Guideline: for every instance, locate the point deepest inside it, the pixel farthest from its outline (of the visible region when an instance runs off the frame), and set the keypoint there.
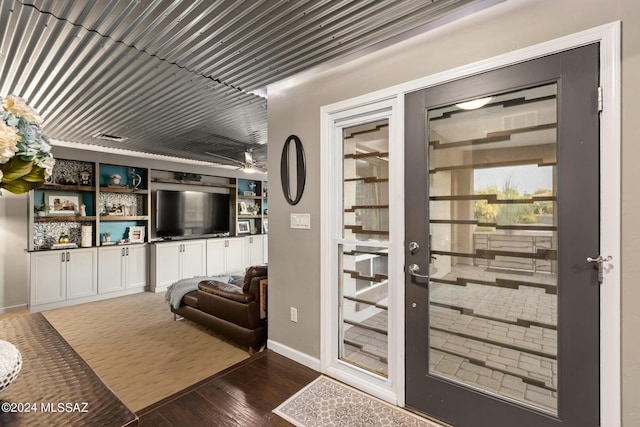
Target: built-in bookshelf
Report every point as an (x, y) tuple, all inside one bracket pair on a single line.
[(88, 204)]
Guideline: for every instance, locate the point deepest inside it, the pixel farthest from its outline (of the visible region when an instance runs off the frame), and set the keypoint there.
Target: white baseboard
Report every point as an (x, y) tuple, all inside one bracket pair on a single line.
[(13, 308), (295, 355)]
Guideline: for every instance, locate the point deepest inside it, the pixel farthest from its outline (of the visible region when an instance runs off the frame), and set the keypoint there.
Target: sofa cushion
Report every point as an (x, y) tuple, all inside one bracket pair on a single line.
[(255, 271), (191, 299), (225, 290)]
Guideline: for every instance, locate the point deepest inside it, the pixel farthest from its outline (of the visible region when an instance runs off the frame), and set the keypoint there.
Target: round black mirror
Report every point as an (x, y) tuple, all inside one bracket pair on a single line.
[(285, 170)]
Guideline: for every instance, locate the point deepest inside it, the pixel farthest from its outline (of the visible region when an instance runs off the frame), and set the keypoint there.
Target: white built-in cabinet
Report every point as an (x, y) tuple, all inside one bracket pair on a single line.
[(122, 267), (59, 276), (265, 248), (254, 249), (175, 260), (225, 256), (172, 261)]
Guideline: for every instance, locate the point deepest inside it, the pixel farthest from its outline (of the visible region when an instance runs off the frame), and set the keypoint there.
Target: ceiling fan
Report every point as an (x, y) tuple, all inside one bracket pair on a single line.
[(249, 165)]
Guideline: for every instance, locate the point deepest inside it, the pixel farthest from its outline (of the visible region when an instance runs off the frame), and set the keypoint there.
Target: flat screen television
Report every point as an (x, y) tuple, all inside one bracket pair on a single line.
[(191, 213)]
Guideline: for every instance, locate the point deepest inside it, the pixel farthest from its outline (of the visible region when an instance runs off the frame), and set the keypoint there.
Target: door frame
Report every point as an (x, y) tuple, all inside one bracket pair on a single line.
[(609, 37)]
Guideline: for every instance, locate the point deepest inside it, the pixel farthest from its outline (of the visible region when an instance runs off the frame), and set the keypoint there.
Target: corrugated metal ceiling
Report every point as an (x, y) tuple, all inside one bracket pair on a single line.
[(175, 77)]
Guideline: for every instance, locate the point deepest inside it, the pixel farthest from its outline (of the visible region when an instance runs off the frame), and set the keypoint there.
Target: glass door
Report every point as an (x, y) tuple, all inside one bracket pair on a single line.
[(363, 251), (502, 217)]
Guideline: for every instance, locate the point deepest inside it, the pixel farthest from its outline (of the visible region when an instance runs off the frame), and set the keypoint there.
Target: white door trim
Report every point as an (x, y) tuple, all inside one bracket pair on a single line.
[(610, 183)]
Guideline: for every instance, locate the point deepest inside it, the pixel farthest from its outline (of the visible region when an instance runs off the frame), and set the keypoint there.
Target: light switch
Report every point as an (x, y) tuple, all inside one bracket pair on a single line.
[(301, 221)]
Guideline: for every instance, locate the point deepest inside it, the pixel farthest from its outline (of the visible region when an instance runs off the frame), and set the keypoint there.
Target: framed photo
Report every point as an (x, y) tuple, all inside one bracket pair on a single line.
[(244, 227), (63, 204), (136, 234), (265, 226)]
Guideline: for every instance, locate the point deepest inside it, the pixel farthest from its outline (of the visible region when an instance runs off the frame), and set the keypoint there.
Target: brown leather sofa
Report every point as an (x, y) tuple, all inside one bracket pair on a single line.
[(237, 311)]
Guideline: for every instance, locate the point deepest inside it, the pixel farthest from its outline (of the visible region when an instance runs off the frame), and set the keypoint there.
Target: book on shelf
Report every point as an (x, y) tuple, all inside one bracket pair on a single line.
[(64, 246)]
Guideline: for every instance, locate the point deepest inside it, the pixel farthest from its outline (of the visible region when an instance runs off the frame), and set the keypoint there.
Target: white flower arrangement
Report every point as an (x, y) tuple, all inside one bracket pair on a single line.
[(25, 152)]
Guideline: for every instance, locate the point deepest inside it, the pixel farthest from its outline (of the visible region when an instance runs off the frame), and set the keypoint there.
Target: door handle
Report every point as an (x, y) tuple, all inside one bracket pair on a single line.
[(414, 270), (599, 260)]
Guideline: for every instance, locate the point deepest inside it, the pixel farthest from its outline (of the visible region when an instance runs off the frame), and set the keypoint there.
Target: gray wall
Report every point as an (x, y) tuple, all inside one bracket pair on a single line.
[(294, 108), (14, 270)]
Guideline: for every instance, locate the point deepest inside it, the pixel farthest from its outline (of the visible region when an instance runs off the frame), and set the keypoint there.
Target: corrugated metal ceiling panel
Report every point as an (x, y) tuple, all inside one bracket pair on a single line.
[(172, 76)]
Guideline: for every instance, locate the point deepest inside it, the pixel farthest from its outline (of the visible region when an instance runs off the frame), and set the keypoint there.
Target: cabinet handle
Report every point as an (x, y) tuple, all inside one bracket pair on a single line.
[(63, 255), (122, 251), (127, 251), (68, 256)]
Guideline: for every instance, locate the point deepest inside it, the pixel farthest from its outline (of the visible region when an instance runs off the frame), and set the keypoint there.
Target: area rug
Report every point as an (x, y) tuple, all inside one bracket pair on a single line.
[(55, 387), (139, 351), (326, 402)]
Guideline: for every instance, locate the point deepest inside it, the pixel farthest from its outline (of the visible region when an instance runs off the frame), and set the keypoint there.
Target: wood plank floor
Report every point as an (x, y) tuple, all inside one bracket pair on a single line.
[(243, 395)]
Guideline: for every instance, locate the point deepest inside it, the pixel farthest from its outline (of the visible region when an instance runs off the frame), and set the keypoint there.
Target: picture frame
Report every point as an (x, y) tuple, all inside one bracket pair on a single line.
[(63, 204), (136, 234), (244, 227), (265, 226)]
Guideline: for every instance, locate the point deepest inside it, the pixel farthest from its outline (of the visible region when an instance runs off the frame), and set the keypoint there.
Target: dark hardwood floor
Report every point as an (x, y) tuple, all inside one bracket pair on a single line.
[(243, 395)]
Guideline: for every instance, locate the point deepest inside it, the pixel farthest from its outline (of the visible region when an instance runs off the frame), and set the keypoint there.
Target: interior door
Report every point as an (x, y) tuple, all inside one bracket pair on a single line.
[(502, 212)]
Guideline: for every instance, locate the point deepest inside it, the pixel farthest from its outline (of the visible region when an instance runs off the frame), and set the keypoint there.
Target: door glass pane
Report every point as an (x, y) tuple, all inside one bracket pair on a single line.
[(363, 280), (366, 182), (364, 307), (493, 233)]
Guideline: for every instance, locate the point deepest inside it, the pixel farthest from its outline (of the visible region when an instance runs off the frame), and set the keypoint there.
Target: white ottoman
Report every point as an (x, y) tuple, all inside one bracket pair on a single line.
[(10, 364)]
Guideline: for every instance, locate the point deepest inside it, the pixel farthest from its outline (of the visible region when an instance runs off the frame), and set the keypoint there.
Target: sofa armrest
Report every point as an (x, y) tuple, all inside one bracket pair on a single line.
[(225, 290)]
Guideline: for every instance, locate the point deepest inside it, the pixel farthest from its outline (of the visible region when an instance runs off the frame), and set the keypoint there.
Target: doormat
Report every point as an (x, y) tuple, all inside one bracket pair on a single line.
[(326, 402)]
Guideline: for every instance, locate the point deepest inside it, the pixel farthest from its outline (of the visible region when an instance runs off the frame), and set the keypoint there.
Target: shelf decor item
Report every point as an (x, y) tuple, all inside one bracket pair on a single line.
[(115, 179), (86, 236), (136, 179), (136, 234), (25, 153), (63, 204), (244, 227)]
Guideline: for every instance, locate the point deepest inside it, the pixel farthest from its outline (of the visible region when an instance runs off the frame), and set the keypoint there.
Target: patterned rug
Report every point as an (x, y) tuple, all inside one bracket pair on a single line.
[(326, 402)]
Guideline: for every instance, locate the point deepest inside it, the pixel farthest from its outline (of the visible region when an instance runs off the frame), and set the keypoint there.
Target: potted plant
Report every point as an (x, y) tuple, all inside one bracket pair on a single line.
[(41, 209)]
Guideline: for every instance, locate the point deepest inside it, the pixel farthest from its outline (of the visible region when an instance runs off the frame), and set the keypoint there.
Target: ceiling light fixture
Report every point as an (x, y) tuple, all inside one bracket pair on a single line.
[(474, 104), (108, 137)]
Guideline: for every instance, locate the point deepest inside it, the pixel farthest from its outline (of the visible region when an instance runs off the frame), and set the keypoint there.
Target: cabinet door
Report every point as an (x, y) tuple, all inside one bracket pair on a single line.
[(255, 251), (194, 261), (168, 260), (82, 276), (265, 248), (215, 257), (136, 266), (48, 277), (234, 256), (111, 269)]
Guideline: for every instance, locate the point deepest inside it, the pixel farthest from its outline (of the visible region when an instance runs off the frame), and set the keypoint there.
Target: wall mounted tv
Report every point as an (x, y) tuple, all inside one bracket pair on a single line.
[(191, 213)]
